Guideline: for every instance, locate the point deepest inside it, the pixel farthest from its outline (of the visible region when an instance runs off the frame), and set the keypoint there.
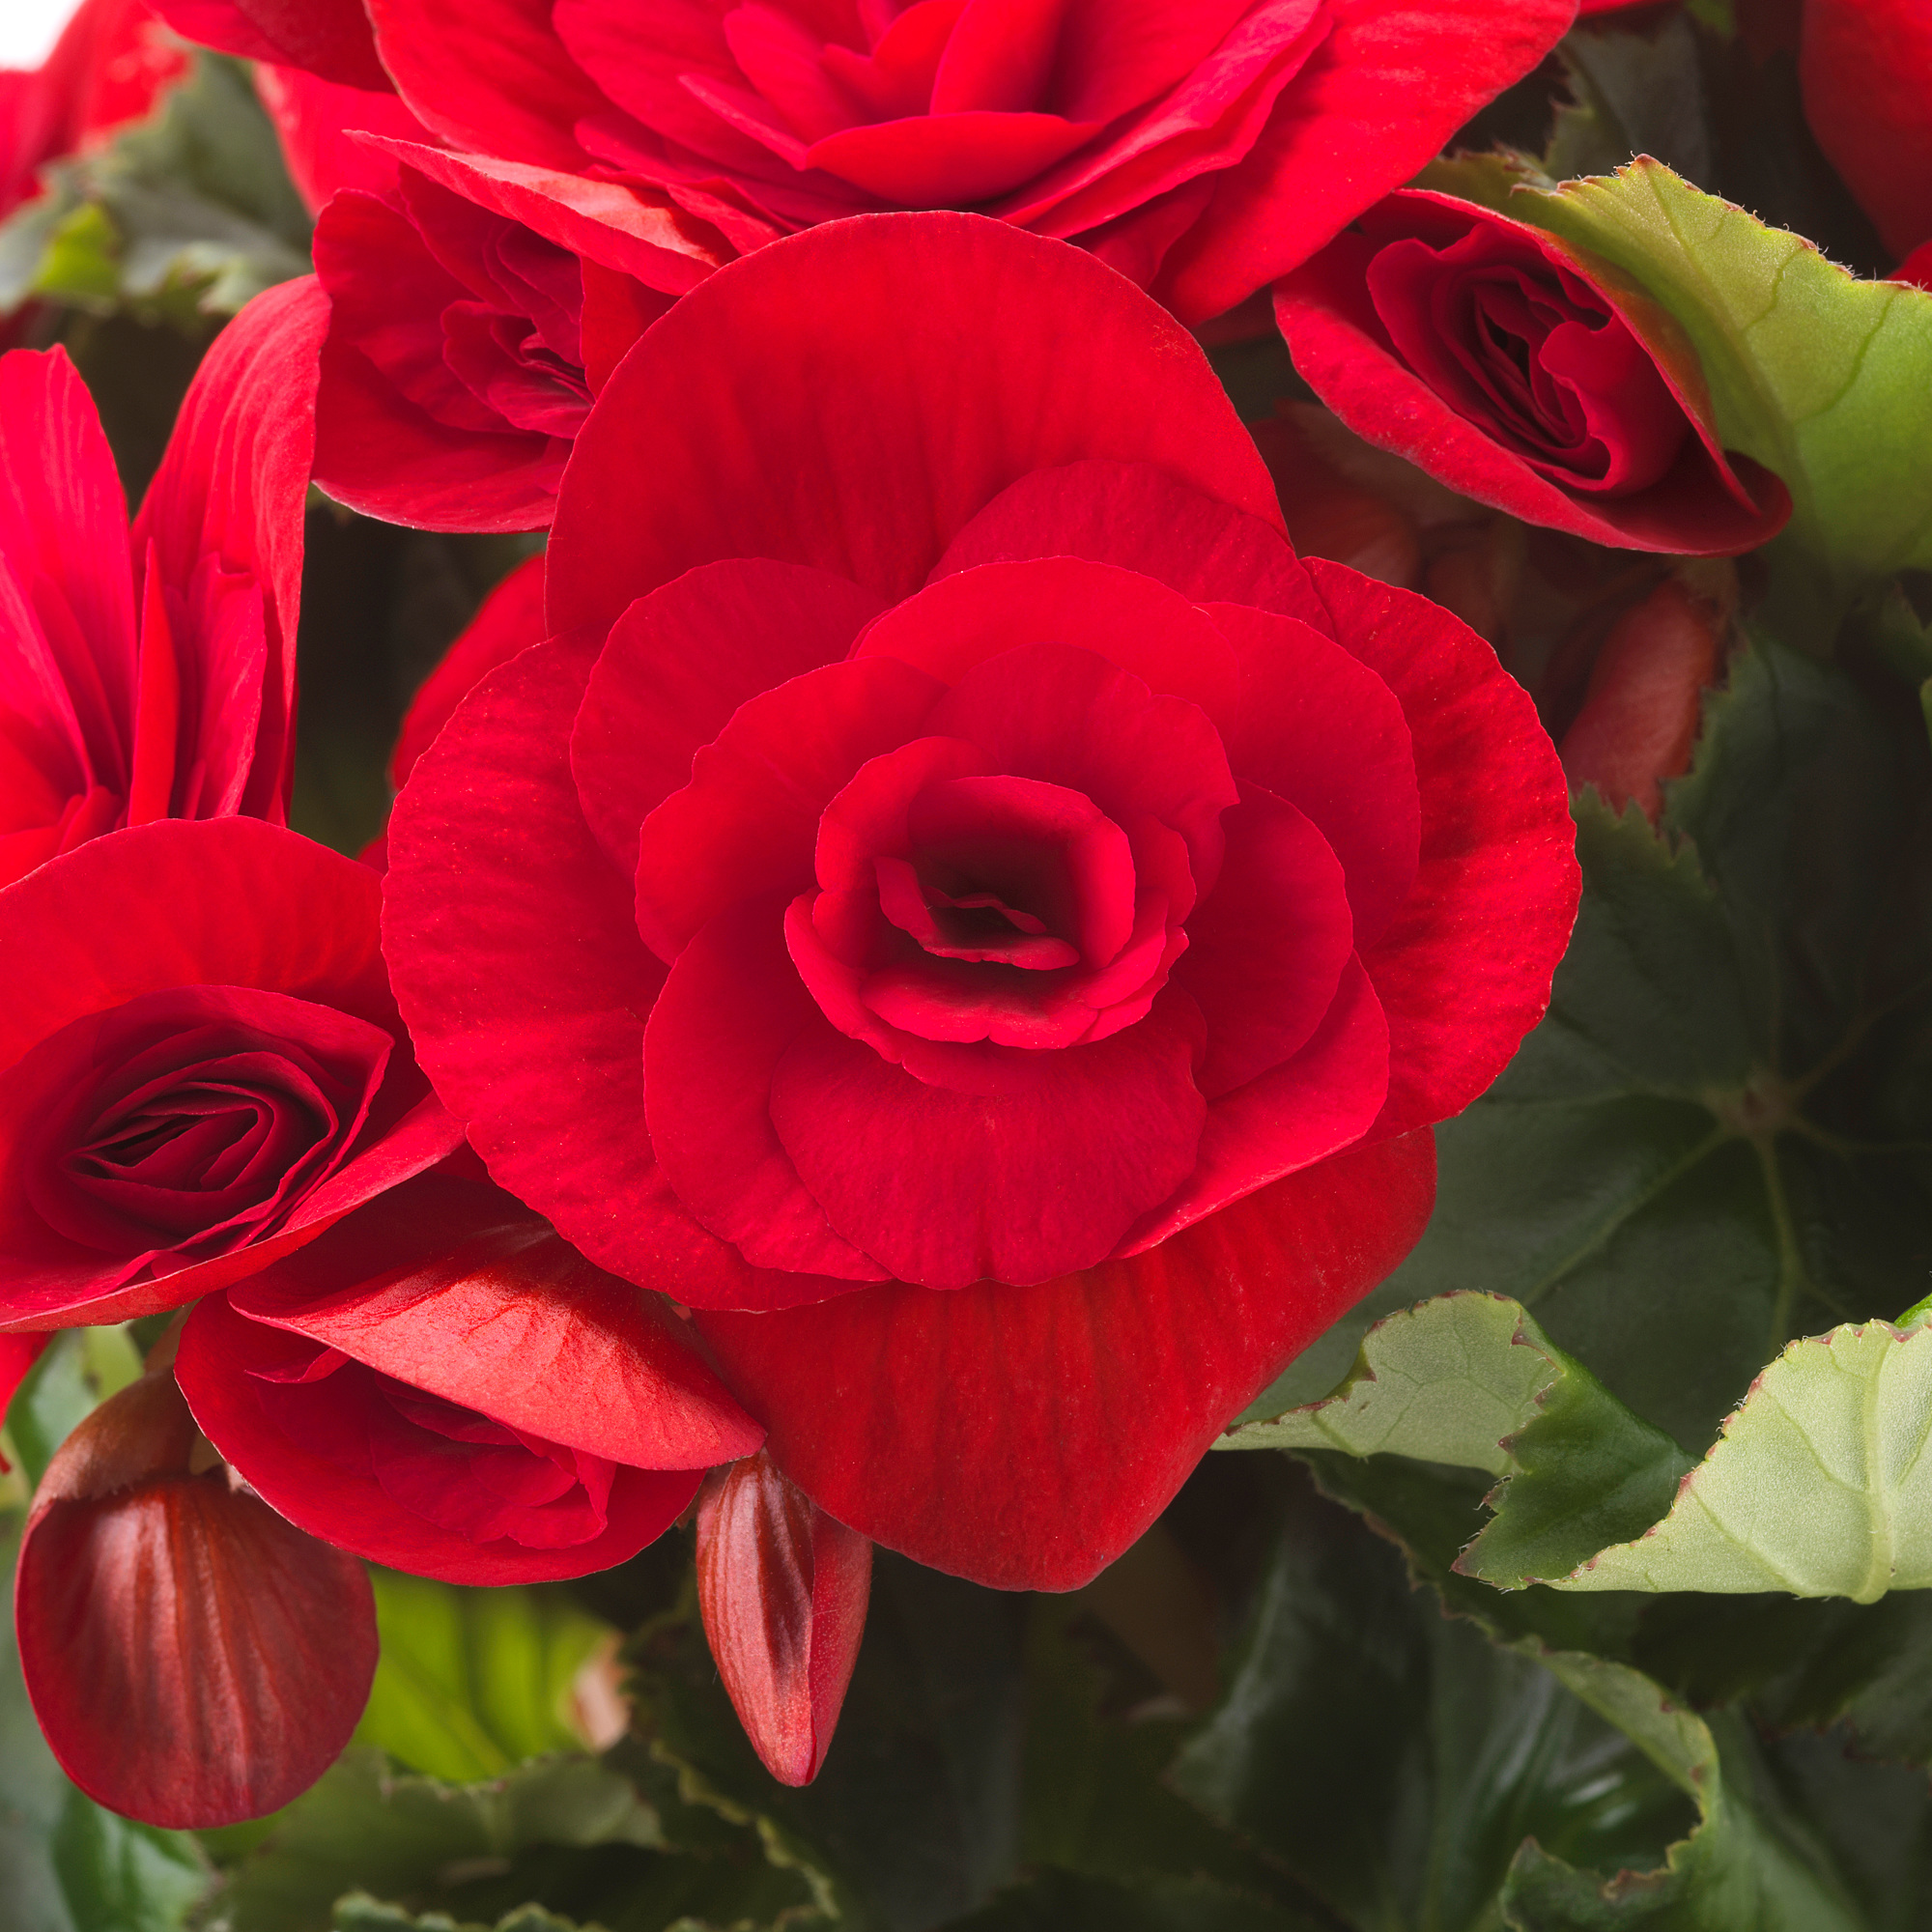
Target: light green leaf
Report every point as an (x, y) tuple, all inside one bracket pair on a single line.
[(1822, 378), (359, 1912), (472, 1681), (1820, 1485)]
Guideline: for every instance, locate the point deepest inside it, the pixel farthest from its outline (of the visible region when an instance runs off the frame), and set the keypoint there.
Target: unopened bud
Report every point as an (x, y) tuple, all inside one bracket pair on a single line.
[(782, 1588), (193, 1659), (1638, 722)]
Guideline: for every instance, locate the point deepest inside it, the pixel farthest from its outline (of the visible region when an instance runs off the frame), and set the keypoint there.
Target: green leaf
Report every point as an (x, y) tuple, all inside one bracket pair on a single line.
[(1631, 94), (359, 1912), (1822, 378), (1820, 1485), (187, 214), (1715, 1139), (1059, 1901), (1471, 1380), (915, 1818), (472, 1680), (413, 1838)]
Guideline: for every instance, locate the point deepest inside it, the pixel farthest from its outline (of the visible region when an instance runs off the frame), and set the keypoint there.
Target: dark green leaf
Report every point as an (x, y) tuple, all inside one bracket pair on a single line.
[(1714, 1142), (359, 1912), (1633, 94), (1059, 1901)]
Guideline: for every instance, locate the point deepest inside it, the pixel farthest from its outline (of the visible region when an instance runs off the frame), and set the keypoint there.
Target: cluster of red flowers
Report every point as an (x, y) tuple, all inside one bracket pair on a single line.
[(921, 944)]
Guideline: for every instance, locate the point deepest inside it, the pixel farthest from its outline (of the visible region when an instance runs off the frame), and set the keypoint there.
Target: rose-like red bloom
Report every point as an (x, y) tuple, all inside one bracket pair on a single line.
[(1517, 371), (192, 1657), (1202, 147), (110, 63), (154, 676), (1865, 67), (782, 1590), (330, 37), (319, 122), (201, 1066), (950, 836), (475, 309), (440, 1384)]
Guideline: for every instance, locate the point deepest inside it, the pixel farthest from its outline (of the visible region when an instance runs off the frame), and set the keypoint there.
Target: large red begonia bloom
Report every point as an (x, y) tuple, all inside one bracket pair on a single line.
[(1200, 147), (112, 61), (320, 123), (477, 307), (955, 877), (1523, 373), (192, 1657), (152, 676), (440, 1384), (1866, 68), (201, 1066)]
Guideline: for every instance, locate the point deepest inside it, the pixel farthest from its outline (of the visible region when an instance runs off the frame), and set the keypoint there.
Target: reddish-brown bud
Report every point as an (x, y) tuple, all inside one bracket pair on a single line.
[(192, 1657), (783, 1590), (1639, 717)]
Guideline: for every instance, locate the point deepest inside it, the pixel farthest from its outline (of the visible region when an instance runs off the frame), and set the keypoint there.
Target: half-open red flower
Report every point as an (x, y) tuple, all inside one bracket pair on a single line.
[(152, 675), (955, 876), (1523, 373), (440, 1384), (1200, 147), (201, 1066), (475, 307), (193, 1659)]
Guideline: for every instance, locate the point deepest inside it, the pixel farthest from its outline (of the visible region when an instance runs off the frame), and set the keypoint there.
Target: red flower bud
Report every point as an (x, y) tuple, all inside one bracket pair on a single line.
[(192, 1657), (1639, 716), (783, 1589)]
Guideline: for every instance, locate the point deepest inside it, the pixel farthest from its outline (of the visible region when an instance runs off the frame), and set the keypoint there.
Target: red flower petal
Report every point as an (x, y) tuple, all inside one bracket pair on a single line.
[(676, 666), (782, 1589), (1864, 65), (330, 38), (731, 1006), (1266, 948), (193, 1659), (1359, 784), (1025, 1436), (459, 1290), (941, 1190), (1464, 970), (316, 1464), (1138, 516), (786, 467), (748, 821), (539, 1048), (965, 616), (1378, 99)]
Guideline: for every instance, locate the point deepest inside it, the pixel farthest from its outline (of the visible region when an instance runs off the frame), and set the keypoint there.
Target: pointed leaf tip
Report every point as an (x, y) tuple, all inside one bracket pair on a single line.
[(783, 1590), (193, 1659)]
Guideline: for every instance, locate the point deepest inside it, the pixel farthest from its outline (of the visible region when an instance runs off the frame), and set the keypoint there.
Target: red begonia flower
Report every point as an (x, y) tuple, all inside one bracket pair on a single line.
[(201, 1066), (319, 122), (330, 37), (111, 61), (782, 1591), (193, 1659), (475, 309), (954, 844), (153, 676), (1200, 147), (1520, 373), (440, 1384), (1865, 67)]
